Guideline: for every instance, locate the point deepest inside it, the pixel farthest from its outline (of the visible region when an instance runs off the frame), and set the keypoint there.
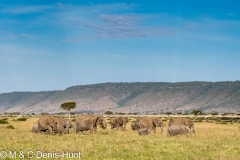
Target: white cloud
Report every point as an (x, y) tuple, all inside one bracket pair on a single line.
[(25, 9), (28, 36), (83, 23)]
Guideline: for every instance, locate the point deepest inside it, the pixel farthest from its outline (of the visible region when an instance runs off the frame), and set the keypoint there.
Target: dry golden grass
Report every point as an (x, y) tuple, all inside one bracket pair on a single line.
[(212, 141)]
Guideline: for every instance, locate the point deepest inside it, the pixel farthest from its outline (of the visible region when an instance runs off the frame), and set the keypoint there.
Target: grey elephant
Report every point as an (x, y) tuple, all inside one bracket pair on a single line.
[(90, 122), (72, 125), (50, 123), (134, 125), (183, 121), (66, 124), (151, 123), (117, 122), (178, 129), (144, 131)]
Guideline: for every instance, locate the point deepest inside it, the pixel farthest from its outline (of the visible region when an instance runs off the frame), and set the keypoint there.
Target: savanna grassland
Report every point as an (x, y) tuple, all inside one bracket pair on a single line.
[(211, 141)]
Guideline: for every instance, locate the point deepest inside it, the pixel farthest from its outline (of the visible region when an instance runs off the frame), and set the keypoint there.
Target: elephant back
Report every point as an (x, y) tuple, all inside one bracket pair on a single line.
[(175, 121)]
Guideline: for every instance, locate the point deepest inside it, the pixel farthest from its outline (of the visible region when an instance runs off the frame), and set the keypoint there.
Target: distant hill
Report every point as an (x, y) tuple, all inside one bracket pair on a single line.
[(151, 97)]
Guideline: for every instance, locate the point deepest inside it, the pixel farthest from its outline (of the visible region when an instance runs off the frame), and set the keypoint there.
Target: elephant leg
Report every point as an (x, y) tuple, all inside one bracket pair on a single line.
[(95, 129), (61, 130), (121, 127), (50, 130), (124, 127), (168, 135), (162, 130), (117, 126), (92, 129), (154, 130), (77, 130), (59, 133), (67, 130)]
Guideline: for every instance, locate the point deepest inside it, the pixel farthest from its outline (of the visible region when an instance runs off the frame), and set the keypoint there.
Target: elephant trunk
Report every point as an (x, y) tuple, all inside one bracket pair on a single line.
[(194, 129), (104, 124), (124, 126), (162, 128), (67, 129)]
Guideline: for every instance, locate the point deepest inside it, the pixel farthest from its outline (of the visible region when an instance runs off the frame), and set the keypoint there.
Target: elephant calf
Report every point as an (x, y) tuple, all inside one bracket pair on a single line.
[(144, 131), (90, 122), (119, 122), (35, 129), (134, 125), (183, 121), (178, 129)]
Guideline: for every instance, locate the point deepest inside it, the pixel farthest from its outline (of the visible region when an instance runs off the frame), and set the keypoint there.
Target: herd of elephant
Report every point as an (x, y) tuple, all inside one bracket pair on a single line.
[(144, 125)]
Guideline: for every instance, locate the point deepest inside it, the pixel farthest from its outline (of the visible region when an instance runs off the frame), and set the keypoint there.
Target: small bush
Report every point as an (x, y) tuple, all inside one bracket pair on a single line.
[(221, 123), (209, 121), (21, 119), (164, 120), (3, 121), (74, 120), (10, 127)]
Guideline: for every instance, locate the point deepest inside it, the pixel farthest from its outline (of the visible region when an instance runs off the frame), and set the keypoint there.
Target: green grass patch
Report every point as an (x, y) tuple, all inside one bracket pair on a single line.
[(21, 119), (211, 141), (3, 121), (10, 127)]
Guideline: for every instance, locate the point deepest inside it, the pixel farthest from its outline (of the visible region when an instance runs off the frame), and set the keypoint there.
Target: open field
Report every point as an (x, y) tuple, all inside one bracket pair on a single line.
[(212, 141)]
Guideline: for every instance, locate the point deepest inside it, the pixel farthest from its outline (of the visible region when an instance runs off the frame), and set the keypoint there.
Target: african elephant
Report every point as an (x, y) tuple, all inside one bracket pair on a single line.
[(117, 122), (35, 128), (90, 122), (47, 123), (144, 131), (66, 124), (151, 123), (177, 129), (50, 123), (72, 125), (134, 125), (183, 121)]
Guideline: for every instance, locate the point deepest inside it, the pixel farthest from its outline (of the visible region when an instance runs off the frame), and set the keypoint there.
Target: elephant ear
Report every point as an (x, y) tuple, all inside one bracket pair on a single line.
[(66, 121), (119, 120), (155, 121), (51, 121), (186, 123), (96, 121), (191, 125)]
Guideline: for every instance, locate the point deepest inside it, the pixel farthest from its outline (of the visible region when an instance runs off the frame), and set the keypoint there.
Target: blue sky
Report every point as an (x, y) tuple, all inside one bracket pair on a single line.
[(52, 45)]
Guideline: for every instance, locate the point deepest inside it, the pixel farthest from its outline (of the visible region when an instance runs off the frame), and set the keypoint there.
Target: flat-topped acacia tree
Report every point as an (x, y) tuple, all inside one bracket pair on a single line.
[(68, 106)]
